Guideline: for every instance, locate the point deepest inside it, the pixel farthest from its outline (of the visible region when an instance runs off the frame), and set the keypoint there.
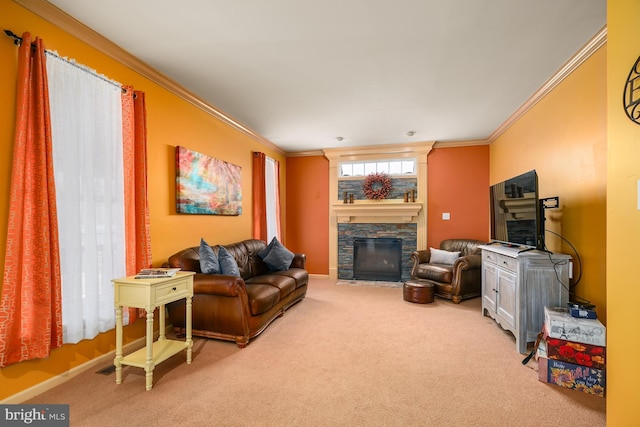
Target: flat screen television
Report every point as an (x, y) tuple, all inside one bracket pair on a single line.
[(516, 218)]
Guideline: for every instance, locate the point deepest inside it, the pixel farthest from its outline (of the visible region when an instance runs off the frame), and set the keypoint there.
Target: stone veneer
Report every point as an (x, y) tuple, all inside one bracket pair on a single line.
[(398, 187), (347, 232)]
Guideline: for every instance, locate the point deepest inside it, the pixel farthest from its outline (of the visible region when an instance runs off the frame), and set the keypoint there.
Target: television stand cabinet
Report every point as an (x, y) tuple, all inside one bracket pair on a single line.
[(517, 285)]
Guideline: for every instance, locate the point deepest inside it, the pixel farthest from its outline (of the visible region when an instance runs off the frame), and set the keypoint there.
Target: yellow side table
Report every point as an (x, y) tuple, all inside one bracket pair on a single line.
[(149, 294)]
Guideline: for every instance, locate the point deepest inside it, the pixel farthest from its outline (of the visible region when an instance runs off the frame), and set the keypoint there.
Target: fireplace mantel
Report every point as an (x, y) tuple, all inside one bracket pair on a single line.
[(382, 211)]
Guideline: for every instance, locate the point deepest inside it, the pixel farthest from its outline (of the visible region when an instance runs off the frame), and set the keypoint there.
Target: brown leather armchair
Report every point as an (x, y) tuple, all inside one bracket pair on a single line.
[(456, 281)]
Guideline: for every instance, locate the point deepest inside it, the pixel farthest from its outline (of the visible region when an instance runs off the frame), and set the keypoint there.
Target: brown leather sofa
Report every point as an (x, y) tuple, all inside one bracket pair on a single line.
[(238, 308), (457, 281)]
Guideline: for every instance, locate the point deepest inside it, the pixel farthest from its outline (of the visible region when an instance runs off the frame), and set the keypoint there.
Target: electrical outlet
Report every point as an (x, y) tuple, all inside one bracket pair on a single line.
[(446, 216)]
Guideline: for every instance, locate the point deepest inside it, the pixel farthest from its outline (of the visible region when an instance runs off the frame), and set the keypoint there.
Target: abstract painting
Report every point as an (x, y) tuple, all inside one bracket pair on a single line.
[(205, 185)]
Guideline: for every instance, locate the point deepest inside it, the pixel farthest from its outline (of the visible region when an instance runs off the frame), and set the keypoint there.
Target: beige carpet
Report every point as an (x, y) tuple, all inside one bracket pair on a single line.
[(344, 356)]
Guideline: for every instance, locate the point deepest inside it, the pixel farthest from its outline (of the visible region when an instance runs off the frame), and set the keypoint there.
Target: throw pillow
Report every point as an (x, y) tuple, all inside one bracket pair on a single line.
[(438, 256), (278, 257), (263, 253), (209, 263), (228, 264)]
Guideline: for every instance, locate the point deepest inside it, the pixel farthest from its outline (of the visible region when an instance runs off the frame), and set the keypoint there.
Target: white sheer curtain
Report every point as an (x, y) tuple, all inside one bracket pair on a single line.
[(86, 122), (270, 181)]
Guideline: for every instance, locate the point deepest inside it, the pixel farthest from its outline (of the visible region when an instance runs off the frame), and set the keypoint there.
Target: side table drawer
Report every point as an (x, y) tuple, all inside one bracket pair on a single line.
[(172, 291)]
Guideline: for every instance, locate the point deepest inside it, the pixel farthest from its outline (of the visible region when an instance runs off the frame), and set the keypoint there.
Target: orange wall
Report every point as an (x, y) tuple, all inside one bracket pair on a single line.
[(563, 137), (623, 219), (458, 183), (308, 210), (171, 121)]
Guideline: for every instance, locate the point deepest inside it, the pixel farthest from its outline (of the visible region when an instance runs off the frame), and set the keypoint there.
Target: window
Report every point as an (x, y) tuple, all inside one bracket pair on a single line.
[(390, 167)]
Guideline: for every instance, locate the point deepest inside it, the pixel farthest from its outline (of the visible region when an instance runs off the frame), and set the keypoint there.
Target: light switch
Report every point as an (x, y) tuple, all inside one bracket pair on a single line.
[(446, 216)]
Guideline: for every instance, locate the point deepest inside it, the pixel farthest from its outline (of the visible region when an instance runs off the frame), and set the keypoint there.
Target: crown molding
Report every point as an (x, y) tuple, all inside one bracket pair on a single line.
[(376, 150), (66, 22), (309, 153), (569, 67), (467, 143)]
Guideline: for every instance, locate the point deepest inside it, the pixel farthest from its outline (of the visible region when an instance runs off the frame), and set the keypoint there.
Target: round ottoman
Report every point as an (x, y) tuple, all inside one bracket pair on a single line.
[(420, 292)]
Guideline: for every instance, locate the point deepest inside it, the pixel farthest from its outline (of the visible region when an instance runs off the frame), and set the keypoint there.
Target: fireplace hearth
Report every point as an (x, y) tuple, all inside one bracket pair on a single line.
[(377, 259)]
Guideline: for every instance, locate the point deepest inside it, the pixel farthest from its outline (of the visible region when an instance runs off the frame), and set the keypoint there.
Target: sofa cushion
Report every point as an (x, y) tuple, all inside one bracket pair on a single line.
[(228, 264), (439, 256), (285, 284), (300, 275), (277, 256), (261, 297), (209, 263), (436, 272)]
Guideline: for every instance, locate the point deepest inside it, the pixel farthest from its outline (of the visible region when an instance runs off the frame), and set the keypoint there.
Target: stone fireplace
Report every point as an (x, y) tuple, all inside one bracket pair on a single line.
[(376, 219), (350, 235)]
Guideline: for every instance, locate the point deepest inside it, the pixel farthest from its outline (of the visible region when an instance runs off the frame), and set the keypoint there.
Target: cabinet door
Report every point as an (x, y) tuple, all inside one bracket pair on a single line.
[(506, 298), (489, 287)]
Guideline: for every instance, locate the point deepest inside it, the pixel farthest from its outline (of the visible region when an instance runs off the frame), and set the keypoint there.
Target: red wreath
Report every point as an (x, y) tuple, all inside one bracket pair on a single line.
[(377, 186)]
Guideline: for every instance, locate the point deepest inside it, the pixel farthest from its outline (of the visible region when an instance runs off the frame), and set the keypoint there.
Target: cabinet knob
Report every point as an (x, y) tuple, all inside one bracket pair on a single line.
[(174, 288)]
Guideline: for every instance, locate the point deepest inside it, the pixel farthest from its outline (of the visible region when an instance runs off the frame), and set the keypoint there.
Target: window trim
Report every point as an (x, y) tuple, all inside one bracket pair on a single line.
[(381, 160)]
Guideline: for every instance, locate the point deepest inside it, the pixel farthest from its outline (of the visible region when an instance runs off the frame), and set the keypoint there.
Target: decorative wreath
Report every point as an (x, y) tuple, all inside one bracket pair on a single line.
[(377, 186)]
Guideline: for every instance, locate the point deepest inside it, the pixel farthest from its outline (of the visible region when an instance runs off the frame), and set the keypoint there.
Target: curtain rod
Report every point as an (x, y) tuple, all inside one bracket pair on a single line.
[(18, 41)]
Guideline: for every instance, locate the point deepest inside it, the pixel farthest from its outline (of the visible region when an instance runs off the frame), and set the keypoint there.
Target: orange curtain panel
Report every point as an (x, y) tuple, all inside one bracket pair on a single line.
[(137, 224), (143, 223), (134, 137), (31, 304)]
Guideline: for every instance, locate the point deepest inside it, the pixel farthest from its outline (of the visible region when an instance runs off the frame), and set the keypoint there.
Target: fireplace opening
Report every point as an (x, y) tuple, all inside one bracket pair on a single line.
[(377, 259)]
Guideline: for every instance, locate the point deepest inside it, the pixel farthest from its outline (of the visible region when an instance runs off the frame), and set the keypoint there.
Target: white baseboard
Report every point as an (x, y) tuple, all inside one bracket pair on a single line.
[(37, 389)]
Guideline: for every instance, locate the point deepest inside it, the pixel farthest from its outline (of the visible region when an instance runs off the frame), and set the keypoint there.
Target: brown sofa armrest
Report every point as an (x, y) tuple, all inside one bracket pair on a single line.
[(421, 257), (466, 276), (218, 284), (468, 262), (299, 261)]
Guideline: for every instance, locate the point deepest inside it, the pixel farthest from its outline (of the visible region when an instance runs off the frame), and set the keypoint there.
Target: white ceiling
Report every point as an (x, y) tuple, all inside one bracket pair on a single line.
[(301, 73)]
